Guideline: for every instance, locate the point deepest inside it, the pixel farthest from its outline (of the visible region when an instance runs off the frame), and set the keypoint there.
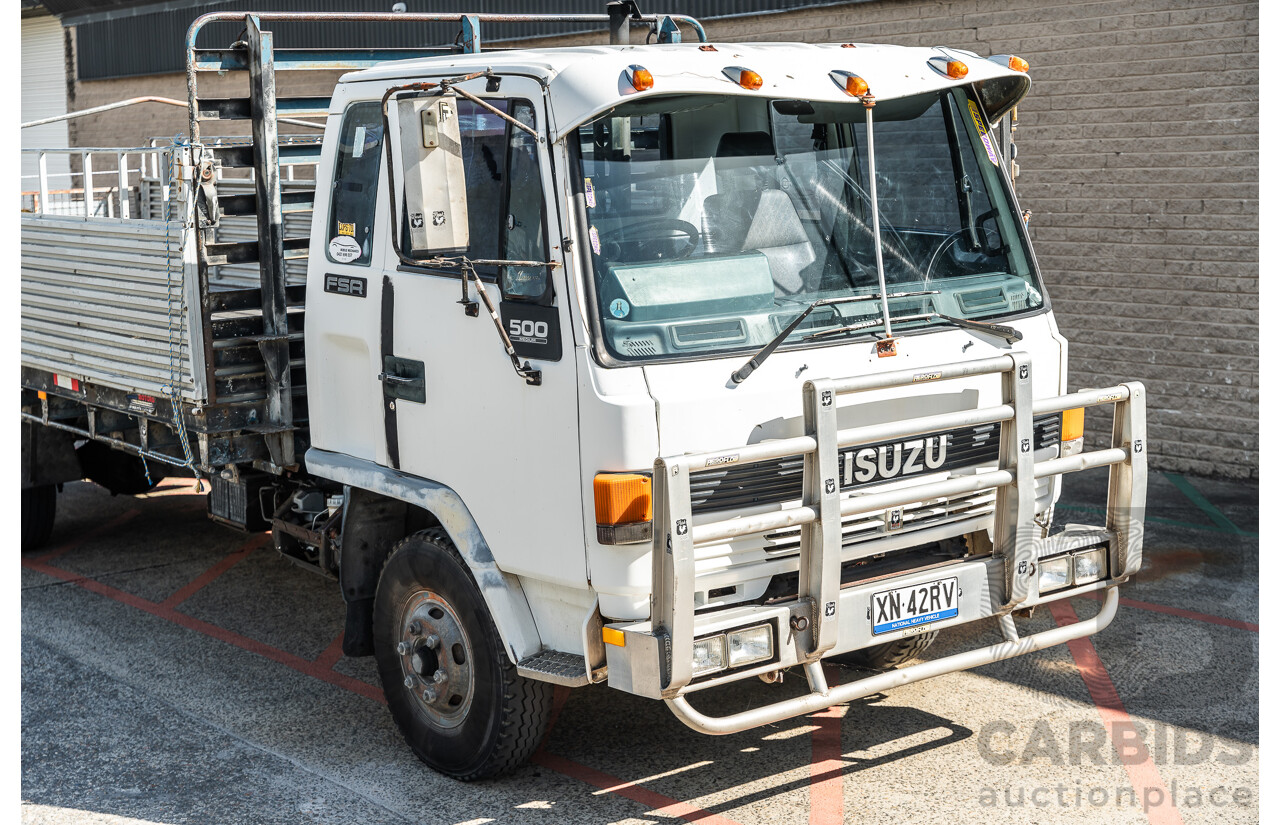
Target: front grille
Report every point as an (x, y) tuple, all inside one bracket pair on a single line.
[(773, 482), (915, 516)]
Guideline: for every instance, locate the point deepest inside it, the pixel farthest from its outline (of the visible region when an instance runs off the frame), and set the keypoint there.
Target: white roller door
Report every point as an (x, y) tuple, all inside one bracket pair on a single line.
[(44, 94)]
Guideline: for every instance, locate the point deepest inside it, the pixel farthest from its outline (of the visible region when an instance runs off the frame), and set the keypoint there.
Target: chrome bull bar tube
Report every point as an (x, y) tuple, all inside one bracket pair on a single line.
[(822, 697), (819, 514)]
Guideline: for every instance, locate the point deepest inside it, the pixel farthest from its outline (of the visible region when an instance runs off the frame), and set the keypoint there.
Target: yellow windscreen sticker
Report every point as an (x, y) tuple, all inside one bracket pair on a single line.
[(982, 133), (347, 229)]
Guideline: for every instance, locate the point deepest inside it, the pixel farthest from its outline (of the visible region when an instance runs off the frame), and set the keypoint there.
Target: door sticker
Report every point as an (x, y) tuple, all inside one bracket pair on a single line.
[(344, 249)]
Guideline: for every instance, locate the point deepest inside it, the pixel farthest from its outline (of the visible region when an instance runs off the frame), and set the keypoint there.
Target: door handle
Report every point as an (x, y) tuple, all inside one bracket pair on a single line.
[(404, 378)]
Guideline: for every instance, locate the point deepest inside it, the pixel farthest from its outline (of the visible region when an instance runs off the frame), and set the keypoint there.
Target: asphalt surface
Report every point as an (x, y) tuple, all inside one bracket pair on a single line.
[(175, 671)]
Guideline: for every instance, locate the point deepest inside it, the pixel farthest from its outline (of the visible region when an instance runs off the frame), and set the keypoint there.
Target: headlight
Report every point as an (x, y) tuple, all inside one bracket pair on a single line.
[(708, 655), (1091, 565), (1055, 574), (755, 644)]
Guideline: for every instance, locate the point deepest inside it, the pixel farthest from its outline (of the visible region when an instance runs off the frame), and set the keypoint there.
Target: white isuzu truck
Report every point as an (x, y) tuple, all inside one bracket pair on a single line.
[(659, 366)]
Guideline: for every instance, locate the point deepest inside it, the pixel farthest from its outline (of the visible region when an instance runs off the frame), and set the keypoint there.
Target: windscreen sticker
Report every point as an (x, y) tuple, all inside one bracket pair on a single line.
[(982, 133), (591, 194), (619, 308), (346, 228), (595, 240), (344, 249)]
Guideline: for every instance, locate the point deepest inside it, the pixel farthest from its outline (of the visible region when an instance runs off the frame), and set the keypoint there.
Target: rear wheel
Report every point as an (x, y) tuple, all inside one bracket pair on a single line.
[(39, 505), (452, 690), (890, 654)]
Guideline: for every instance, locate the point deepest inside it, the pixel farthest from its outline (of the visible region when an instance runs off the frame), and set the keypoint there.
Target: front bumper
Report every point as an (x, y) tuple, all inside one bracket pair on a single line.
[(656, 657)]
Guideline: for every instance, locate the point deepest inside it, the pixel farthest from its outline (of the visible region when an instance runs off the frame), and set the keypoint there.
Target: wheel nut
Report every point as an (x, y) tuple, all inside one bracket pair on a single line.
[(429, 694), (403, 648), (415, 628), (439, 676), (408, 681), (433, 641)]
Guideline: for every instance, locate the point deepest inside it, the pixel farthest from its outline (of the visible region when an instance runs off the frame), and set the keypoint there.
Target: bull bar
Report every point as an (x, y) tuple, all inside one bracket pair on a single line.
[(1007, 580)]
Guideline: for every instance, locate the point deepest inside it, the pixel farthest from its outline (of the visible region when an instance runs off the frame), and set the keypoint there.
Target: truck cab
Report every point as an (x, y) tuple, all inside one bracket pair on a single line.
[(649, 221)]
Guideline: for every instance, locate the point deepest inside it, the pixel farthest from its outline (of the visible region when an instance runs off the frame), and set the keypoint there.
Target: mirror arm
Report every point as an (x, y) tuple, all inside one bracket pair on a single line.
[(531, 376)]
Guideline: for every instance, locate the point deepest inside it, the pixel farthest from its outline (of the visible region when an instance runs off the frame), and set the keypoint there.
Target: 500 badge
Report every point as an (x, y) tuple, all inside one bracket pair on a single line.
[(534, 330)]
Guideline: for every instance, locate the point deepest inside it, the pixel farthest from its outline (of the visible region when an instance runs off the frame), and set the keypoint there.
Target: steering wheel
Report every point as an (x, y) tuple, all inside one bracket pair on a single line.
[(652, 239), (985, 244)]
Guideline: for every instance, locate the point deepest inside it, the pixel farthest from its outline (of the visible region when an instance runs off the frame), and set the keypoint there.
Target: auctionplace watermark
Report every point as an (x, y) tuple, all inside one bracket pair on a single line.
[(1081, 796)]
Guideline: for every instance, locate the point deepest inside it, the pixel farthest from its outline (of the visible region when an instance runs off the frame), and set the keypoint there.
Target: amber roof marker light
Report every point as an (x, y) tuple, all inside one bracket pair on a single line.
[(1011, 62), (745, 78), (949, 66), (640, 78), (852, 84)]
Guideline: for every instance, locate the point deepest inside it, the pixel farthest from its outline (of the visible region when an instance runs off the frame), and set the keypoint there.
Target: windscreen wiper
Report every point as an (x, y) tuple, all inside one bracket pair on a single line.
[(739, 375), (1009, 334)]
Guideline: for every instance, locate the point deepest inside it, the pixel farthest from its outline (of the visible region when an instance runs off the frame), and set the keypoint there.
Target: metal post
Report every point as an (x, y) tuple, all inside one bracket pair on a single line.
[(671, 606), (875, 221), (43, 164), (820, 541), (619, 23), (1127, 482), (1015, 501), (86, 174), (274, 344), (122, 183)]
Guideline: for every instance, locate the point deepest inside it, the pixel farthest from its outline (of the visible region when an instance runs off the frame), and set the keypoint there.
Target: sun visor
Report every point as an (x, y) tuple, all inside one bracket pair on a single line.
[(1000, 94)]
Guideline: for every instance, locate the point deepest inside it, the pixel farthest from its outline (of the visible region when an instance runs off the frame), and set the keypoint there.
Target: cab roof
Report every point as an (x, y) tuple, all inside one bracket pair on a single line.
[(584, 81)]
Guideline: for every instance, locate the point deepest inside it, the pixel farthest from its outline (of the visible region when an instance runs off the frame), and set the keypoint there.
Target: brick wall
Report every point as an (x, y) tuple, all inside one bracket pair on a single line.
[(1138, 147)]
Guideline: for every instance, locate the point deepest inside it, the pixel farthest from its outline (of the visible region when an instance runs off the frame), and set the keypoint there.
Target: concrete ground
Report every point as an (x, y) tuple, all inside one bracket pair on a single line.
[(174, 671)]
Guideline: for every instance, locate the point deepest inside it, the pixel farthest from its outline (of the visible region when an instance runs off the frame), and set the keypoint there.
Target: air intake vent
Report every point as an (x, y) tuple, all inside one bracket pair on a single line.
[(641, 347), (818, 318), (713, 332), (981, 299)]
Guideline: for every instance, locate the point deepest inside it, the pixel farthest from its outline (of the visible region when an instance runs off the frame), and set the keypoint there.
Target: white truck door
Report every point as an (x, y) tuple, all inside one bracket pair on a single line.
[(343, 288), (455, 411)]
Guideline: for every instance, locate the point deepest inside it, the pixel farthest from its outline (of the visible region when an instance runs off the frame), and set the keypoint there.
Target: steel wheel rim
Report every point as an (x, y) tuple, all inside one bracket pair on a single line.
[(436, 659)]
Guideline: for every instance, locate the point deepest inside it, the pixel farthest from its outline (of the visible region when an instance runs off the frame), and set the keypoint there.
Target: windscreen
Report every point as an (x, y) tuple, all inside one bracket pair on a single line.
[(714, 221)]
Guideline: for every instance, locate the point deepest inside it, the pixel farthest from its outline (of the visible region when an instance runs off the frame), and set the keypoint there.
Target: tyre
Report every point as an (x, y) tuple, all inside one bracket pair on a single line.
[(39, 504), (452, 690), (890, 654)]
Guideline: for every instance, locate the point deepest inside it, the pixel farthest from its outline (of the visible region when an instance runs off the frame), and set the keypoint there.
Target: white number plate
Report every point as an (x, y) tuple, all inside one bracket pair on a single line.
[(916, 605)]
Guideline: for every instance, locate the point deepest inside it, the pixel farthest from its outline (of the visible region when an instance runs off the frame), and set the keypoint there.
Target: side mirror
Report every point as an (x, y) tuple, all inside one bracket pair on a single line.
[(435, 180)]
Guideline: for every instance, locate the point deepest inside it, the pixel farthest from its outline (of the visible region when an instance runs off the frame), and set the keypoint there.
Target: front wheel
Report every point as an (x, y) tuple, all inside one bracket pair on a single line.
[(890, 654), (452, 690)]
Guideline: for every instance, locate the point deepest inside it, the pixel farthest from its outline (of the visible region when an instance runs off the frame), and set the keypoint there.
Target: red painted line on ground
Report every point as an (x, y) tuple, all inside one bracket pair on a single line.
[(223, 565), (657, 803), (662, 805), (1133, 752), (93, 532), (331, 654), (220, 633), (1178, 611), (826, 771)]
